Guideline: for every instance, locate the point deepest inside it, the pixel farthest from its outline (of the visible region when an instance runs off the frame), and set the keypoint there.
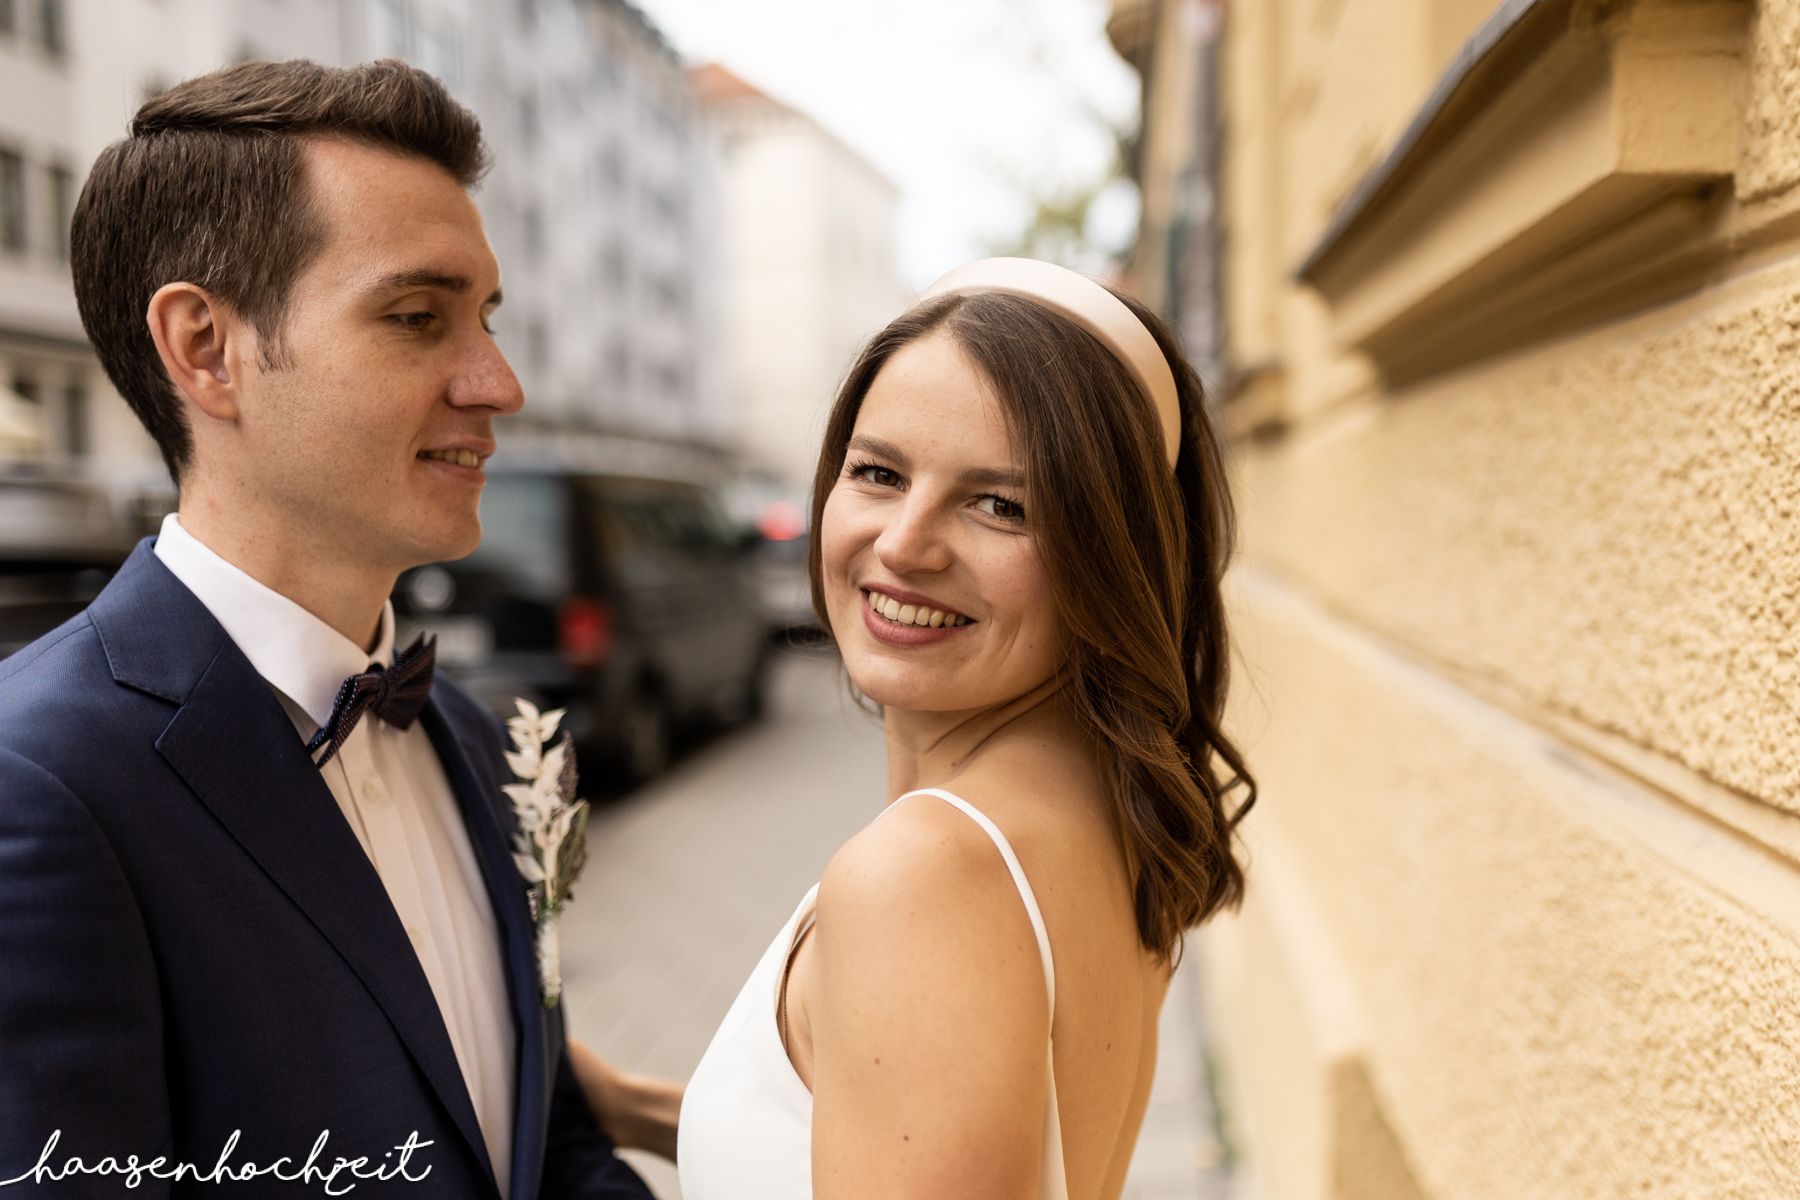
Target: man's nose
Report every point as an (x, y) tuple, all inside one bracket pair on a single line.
[(486, 380), (913, 539)]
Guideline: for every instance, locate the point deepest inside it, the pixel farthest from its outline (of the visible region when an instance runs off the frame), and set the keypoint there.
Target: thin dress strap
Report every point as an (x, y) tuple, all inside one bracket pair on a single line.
[(1019, 880)]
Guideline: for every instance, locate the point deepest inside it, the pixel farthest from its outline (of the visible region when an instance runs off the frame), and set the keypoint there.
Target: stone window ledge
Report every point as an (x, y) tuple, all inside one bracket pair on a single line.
[(1567, 168)]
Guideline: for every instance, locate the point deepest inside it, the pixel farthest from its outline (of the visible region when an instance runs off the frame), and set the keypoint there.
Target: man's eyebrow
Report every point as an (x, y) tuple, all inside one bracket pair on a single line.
[(417, 280), (975, 477)]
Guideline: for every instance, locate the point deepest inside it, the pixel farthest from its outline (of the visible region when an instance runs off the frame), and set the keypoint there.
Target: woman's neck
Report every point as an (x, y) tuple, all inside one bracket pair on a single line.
[(930, 749)]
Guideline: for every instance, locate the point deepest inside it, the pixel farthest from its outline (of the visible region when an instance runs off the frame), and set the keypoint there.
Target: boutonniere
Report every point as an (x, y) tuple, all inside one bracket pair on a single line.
[(551, 846)]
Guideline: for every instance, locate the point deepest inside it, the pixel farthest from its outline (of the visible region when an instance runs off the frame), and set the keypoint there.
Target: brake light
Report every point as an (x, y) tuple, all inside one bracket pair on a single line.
[(781, 521), (584, 632)]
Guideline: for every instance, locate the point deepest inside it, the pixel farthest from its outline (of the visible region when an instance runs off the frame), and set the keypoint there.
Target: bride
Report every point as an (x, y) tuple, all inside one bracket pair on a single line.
[(1021, 520)]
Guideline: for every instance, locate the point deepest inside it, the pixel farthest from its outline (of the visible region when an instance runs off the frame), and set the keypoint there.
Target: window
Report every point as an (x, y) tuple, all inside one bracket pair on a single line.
[(62, 192), (12, 203), (437, 54), (50, 27), (387, 29), (75, 423), (621, 364)]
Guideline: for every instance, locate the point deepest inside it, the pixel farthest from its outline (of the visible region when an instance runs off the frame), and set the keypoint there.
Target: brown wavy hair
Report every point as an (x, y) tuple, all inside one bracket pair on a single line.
[(1134, 554)]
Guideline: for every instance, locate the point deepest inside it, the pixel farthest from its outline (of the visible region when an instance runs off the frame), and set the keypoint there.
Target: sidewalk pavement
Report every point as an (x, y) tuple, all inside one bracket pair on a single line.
[(689, 878)]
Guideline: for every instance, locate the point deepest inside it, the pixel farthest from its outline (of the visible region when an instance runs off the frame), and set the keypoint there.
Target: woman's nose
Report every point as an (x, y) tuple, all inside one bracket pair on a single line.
[(913, 539)]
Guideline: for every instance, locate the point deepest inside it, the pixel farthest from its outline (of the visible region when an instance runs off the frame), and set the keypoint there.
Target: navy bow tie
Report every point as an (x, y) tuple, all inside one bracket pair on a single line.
[(397, 694)]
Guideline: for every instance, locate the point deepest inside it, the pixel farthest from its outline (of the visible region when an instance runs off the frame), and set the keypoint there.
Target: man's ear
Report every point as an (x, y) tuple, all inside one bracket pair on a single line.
[(192, 330)]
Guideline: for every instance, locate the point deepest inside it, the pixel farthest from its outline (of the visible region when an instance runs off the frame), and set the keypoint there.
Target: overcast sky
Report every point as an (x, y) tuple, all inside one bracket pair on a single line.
[(968, 105)]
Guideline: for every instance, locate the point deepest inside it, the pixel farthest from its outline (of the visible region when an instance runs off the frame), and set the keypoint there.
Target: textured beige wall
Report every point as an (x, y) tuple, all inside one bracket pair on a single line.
[(1251, 70), (1549, 1001), (1610, 525), (1454, 22), (1521, 676), (1771, 147), (1354, 75)]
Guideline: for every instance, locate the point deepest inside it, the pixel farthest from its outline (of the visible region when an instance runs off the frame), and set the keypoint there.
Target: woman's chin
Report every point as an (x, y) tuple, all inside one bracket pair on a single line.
[(916, 689), (899, 690)]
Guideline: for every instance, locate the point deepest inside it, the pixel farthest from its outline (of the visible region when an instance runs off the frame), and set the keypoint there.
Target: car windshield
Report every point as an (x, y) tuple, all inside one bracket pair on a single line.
[(524, 532)]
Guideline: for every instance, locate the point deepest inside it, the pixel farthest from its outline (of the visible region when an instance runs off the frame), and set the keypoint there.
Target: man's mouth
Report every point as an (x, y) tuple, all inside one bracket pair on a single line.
[(462, 458), (913, 614)]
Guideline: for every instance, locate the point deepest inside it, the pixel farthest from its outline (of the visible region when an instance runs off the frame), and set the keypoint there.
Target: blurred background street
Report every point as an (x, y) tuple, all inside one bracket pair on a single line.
[(690, 876), (701, 209)]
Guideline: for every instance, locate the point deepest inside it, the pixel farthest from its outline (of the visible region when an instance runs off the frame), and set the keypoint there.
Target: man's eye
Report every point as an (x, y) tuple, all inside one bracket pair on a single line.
[(416, 321)]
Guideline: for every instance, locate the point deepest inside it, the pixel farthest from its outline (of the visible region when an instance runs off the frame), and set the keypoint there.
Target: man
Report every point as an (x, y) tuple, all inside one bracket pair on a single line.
[(273, 947)]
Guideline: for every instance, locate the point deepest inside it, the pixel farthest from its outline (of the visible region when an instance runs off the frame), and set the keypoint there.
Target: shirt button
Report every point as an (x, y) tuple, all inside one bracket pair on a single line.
[(374, 791), (412, 935)]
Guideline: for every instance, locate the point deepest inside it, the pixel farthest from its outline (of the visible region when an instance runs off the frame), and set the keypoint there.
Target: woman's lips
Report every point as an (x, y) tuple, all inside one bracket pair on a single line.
[(909, 608), (894, 633)]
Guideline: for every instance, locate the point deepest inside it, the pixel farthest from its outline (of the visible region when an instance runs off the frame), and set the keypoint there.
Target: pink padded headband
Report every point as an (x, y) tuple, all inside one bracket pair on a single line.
[(1093, 308)]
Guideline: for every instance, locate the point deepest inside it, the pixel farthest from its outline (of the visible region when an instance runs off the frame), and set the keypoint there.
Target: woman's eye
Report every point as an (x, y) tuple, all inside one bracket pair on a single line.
[(870, 473), (1001, 508)]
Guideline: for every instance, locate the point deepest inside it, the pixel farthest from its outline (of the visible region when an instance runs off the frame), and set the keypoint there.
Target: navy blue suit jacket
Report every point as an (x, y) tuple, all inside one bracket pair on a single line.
[(192, 941)]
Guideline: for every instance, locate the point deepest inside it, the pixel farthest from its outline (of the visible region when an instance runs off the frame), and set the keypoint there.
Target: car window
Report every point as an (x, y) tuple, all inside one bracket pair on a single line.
[(697, 523), (653, 515), (524, 531)]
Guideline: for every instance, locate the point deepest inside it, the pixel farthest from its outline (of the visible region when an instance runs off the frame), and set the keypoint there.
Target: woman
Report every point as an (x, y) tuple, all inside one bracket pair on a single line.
[(1022, 521)]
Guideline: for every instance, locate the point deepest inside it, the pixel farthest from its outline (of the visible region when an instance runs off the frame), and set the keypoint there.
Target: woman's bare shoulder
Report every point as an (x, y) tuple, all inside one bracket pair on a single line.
[(927, 1012), (921, 847)]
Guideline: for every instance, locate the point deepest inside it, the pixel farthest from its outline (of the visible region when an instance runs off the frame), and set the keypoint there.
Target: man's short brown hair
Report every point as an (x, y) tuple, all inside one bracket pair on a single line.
[(210, 188)]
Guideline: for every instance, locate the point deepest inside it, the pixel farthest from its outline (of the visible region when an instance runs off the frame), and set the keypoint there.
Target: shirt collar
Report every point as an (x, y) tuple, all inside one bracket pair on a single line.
[(298, 654)]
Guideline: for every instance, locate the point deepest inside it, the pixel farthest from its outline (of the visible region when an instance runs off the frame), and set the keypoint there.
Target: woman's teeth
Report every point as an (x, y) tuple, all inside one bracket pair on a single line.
[(913, 614), (462, 458)]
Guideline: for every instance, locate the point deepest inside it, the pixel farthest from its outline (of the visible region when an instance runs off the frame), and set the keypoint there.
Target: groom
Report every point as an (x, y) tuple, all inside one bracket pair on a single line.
[(231, 964)]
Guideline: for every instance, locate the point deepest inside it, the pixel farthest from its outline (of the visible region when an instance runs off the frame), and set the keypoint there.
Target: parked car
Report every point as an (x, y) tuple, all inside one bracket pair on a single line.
[(60, 540), (770, 515), (626, 599)]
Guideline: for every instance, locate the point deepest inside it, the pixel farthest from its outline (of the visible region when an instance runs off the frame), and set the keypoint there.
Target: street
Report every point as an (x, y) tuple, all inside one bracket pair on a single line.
[(689, 878)]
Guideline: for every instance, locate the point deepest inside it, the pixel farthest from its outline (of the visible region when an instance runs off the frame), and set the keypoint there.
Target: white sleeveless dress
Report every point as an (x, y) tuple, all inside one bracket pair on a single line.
[(746, 1121)]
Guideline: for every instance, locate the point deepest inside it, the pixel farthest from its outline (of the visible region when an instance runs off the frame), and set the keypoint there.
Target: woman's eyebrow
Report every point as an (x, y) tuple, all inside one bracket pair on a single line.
[(991, 477), (880, 449), (974, 477)]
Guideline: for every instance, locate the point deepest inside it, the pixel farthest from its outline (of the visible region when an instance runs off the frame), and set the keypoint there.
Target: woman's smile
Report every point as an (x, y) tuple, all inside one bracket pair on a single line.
[(909, 625)]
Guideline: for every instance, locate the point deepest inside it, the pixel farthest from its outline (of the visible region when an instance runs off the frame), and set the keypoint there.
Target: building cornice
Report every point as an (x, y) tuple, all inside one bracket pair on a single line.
[(1558, 171)]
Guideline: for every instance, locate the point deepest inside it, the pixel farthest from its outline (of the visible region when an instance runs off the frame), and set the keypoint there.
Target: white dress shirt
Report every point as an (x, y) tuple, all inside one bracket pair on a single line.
[(392, 790)]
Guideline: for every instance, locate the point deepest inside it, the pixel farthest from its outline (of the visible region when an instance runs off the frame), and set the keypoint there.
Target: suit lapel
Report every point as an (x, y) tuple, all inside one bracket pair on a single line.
[(479, 797), (239, 753)]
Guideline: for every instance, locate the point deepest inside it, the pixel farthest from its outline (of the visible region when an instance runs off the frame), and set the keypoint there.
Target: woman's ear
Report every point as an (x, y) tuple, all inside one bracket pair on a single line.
[(190, 328)]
